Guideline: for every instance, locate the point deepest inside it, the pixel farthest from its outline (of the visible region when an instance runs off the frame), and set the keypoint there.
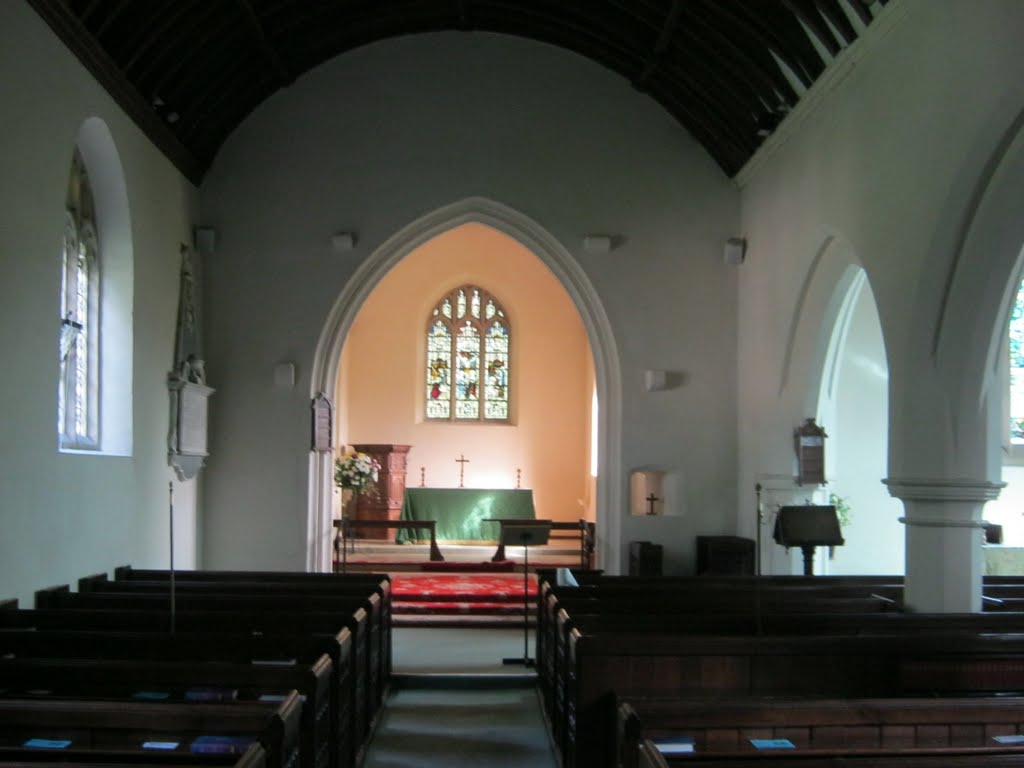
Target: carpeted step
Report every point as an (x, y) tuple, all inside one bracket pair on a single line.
[(460, 621), (463, 599), (450, 607)]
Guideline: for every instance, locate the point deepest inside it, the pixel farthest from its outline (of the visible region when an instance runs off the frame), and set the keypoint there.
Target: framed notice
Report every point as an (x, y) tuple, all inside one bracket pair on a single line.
[(322, 424)]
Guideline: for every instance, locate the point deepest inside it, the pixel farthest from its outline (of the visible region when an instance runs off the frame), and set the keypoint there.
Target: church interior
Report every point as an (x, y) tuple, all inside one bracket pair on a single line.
[(675, 269)]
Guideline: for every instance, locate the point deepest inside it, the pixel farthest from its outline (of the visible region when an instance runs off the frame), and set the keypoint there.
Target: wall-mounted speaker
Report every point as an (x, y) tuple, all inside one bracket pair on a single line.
[(735, 251), (205, 239)]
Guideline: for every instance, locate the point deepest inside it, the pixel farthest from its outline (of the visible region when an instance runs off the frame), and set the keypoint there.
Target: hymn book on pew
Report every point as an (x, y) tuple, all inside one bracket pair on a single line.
[(220, 745), (677, 745), (211, 694), (48, 743), (773, 744)]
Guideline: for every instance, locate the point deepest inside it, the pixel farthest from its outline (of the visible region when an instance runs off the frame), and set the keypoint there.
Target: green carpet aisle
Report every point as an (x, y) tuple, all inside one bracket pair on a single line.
[(456, 727), (455, 704)]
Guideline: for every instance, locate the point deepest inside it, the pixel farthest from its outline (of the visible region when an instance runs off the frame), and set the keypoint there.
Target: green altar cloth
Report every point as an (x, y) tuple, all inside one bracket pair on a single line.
[(458, 511)]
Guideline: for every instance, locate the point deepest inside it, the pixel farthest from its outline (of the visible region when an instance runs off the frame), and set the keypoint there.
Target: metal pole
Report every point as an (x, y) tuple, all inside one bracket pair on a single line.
[(170, 494), (757, 565)]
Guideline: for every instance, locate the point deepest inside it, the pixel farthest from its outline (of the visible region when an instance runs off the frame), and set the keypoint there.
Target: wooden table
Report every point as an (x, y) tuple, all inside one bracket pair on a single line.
[(460, 512)]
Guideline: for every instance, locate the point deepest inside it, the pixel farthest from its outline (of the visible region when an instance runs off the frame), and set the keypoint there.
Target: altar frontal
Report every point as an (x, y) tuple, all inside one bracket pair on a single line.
[(460, 512)]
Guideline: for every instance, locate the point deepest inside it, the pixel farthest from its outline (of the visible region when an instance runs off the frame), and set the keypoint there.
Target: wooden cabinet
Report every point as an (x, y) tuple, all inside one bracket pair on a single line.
[(384, 500)]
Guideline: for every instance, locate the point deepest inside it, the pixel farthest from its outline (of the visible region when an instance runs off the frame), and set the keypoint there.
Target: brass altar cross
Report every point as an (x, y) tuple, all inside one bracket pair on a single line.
[(651, 498), (462, 461)]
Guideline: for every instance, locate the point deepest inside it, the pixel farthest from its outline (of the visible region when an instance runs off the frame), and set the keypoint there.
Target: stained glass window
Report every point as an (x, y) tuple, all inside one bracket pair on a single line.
[(467, 371), (77, 385), (1017, 368)]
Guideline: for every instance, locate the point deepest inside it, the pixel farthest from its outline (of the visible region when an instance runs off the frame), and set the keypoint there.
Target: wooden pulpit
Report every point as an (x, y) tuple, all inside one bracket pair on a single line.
[(807, 527)]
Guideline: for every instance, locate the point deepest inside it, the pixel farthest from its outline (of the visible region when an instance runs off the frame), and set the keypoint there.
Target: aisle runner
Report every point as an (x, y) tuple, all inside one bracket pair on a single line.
[(481, 599)]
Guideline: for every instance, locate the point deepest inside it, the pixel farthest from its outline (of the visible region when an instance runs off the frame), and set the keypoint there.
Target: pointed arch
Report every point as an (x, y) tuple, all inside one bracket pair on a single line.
[(557, 258), (102, 163)]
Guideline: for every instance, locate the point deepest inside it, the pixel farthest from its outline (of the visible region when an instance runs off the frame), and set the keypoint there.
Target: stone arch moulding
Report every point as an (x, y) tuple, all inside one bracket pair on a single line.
[(552, 253), (832, 277), (973, 312)]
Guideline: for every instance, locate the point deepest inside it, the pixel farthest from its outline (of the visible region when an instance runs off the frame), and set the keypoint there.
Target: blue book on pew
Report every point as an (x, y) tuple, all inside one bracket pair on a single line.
[(48, 743), (677, 745), (773, 743), (159, 745), (151, 695), (220, 745), (211, 694), (1015, 738)]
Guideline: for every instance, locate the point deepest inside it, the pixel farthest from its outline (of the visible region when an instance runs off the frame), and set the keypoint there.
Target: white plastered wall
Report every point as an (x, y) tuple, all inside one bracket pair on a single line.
[(383, 136), (66, 515), (904, 159)]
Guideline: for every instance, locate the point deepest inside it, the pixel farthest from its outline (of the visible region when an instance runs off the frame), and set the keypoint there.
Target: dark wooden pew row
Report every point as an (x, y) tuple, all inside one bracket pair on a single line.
[(649, 664), (305, 592), (261, 612), (822, 728), (380, 582), (254, 757), (219, 635), (261, 658), (648, 756), (713, 611), (175, 681), (132, 728)]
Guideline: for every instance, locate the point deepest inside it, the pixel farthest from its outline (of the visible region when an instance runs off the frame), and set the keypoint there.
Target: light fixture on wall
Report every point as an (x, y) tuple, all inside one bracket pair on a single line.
[(342, 242), (735, 251), (599, 244), (647, 492)]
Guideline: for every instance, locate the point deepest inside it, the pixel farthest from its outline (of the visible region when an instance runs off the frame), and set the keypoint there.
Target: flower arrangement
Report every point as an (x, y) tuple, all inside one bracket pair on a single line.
[(356, 471)]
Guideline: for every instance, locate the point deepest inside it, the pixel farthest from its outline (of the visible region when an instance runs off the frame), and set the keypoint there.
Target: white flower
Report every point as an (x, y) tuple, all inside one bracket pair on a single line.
[(356, 471)]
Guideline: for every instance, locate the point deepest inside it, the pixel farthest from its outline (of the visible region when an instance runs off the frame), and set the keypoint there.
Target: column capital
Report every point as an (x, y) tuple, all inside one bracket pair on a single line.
[(943, 489)]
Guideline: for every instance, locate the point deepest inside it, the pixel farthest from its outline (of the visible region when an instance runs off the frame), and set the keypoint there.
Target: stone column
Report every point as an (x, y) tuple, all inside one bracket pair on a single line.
[(944, 537)]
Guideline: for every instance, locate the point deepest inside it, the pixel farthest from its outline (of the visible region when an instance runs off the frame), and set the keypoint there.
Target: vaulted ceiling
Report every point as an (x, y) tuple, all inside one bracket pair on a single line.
[(189, 71)]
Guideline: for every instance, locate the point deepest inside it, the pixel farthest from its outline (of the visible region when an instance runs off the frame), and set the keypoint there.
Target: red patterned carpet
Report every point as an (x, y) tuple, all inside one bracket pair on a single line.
[(460, 599)]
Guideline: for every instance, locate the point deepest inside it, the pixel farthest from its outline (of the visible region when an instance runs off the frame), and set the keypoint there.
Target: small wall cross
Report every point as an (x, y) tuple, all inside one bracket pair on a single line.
[(651, 498), (462, 461), (423, 477), (519, 476)]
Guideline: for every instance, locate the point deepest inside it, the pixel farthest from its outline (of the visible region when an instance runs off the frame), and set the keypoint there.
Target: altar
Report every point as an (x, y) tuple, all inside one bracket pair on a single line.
[(460, 512)]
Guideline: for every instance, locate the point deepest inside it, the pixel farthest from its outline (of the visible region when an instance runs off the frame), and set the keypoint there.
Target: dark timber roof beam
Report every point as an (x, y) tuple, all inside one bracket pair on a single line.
[(259, 35), (665, 35)]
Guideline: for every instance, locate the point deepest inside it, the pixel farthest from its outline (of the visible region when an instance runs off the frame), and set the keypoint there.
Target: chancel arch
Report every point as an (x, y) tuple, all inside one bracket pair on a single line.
[(331, 372)]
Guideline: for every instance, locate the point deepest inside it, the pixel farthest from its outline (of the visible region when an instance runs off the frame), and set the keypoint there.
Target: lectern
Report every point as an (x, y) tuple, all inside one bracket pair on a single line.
[(525, 535), (807, 527)]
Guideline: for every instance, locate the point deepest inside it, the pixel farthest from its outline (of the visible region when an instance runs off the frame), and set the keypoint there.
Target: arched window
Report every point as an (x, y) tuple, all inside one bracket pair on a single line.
[(467, 371), (1017, 368), (77, 389)]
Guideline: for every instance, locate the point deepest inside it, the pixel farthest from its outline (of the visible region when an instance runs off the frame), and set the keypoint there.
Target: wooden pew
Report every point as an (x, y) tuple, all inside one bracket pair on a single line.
[(11, 757), (108, 727), (643, 664), (648, 756), (257, 612), (690, 611), (302, 591), (133, 680), (379, 582), (203, 637), (822, 726)]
